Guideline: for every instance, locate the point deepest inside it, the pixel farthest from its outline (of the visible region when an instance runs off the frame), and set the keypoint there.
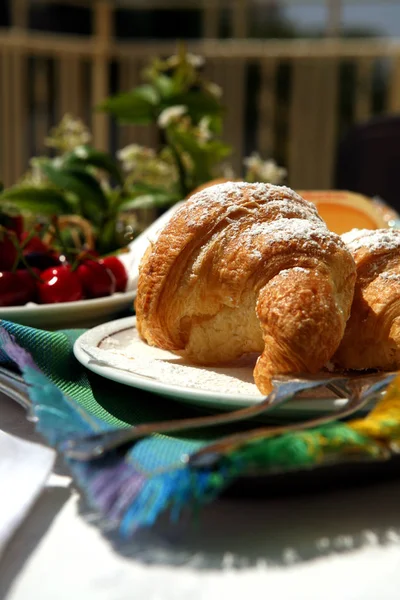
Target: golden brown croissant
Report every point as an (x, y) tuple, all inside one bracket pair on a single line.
[(372, 336), (247, 268)]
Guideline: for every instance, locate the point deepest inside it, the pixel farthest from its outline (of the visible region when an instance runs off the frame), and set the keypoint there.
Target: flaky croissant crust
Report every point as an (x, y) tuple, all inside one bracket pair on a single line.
[(247, 268), (372, 335)]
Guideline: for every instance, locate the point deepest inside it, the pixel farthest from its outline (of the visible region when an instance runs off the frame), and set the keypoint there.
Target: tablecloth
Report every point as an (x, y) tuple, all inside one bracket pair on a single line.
[(342, 543)]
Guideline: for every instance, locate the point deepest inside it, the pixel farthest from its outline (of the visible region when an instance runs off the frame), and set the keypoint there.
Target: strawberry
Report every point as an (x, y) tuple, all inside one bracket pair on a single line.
[(59, 284), (96, 279), (118, 270)]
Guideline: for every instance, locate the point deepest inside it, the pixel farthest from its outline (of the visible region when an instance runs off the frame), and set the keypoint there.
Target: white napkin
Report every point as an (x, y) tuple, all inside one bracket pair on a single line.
[(24, 468)]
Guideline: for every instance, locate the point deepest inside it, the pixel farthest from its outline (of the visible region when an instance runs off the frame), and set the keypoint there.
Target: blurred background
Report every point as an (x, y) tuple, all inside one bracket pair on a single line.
[(300, 78)]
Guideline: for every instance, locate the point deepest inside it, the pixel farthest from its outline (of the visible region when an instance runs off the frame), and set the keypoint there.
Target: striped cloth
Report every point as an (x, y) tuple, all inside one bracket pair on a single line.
[(128, 488)]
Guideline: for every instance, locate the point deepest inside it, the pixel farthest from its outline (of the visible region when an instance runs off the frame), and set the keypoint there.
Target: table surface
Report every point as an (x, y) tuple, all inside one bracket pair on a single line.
[(342, 543)]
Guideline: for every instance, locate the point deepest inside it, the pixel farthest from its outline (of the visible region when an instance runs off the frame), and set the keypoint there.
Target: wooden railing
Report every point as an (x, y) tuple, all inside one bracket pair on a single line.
[(287, 99)]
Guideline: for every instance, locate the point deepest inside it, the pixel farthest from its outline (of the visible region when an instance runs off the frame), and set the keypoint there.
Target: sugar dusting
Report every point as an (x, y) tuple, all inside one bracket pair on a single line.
[(231, 191), (252, 216), (288, 272), (129, 353), (286, 230), (373, 240), (276, 212), (280, 199), (390, 276), (254, 213)]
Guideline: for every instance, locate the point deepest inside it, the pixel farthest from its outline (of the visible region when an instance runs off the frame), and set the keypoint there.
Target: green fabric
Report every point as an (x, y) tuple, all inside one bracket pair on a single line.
[(116, 404), (131, 486)]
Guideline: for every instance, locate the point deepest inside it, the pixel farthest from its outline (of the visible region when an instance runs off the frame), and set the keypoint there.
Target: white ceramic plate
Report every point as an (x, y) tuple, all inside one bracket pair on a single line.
[(88, 313), (83, 313), (115, 351)]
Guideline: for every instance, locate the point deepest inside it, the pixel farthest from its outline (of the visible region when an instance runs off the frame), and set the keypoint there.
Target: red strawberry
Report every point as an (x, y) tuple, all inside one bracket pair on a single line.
[(8, 252), (35, 244), (118, 270), (16, 288), (59, 284), (41, 260), (96, 279)]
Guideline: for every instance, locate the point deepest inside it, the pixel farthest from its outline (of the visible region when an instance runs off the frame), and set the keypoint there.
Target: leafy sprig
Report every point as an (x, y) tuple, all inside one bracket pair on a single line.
[(187, 110)]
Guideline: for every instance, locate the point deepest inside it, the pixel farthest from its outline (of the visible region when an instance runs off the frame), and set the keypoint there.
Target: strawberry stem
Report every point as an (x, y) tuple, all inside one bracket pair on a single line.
[(59, 238), (27, 240), (20, 255)]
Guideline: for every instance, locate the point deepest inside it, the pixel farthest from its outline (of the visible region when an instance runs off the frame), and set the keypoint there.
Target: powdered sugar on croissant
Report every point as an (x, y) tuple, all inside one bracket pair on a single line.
[(247, 268), (372, 336)]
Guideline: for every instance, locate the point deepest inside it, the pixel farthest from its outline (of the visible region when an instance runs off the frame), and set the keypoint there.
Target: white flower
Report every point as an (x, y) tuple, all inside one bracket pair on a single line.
[(264, 170), (204, 132), (272, 173), (132, 154), (57, 162), (228, 172), (81, 152), (194, 60), (129, 151), (162, 168), (35, 177), (170, 115), (214, 89), (68, 134), (253, 161)]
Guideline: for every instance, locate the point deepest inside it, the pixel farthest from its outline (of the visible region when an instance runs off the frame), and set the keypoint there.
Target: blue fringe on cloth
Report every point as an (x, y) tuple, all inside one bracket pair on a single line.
[(129, 489)]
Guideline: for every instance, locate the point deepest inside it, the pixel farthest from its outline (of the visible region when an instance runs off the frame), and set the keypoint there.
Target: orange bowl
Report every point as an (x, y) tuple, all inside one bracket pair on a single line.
[(343, 211)]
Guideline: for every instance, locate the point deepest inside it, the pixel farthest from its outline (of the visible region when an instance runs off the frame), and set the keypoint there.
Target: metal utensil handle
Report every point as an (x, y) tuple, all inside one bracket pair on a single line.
[(95, 445), (212, 453)]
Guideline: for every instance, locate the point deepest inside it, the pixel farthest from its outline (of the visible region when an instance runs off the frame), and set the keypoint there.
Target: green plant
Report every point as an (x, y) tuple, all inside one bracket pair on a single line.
[(187, 110), (75, 181), (79, 180)]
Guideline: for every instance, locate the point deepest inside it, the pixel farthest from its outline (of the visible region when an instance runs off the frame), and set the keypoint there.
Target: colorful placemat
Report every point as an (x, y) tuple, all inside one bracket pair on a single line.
[(128, 488)]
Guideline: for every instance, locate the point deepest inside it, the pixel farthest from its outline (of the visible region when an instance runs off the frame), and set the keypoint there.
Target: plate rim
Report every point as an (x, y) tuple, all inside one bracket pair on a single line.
[(116, 298), (223, 401), (120, 375)]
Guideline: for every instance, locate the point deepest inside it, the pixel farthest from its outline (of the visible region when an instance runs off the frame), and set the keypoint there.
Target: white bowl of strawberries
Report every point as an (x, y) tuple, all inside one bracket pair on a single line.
[(42, 287)]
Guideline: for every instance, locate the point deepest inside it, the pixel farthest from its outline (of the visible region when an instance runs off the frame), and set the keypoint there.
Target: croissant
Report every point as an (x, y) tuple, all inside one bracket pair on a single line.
[(245, 268), (372, 335)]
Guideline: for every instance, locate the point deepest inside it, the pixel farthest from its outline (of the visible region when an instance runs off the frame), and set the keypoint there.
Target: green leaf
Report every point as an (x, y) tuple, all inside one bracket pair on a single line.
[(137, 106), (184, 141), (160, 200), (205, 155), (212, 150), (215, 124), (44, 201), (165, 85), (86, 156), (113, 199), (217, 150), (142, 187), (199, 104), (78, 181), (106, 241), (148, 93)]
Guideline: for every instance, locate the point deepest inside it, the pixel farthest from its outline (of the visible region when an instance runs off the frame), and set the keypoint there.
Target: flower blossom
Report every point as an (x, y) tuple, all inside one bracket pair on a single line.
[(131, 155), (194, 60), (171, 115), (264, 170)]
